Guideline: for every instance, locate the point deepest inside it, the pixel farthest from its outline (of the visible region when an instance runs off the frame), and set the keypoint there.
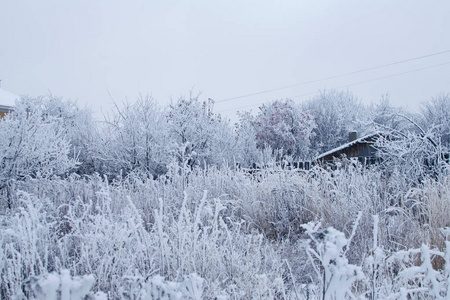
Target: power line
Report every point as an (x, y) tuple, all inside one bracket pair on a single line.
[(334, 76), (388, 76), (349, 85)]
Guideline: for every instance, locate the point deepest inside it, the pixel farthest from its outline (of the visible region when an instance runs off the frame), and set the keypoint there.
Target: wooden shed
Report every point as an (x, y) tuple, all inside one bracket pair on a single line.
[(361, 148)]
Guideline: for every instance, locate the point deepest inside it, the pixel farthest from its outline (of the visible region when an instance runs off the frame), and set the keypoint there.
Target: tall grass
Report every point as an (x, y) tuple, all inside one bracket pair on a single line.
[(240, 232)]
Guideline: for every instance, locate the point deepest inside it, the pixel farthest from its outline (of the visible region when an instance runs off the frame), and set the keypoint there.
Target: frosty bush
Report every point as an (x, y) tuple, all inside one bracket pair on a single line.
[(336, 276), (31, 145), (416, 278), (27, 243), (61, 287), (410, 158), (135, 288)]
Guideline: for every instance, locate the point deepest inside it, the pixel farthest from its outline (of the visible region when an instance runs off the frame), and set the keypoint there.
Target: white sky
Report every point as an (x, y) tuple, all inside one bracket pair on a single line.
[(82, 49)]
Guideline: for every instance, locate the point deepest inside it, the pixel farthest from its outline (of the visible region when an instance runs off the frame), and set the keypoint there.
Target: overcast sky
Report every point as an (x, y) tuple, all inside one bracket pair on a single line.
[(80, 50)]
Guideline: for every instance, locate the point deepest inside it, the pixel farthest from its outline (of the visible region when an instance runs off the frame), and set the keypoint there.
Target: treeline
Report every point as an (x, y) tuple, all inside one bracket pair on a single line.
[(48, 136)]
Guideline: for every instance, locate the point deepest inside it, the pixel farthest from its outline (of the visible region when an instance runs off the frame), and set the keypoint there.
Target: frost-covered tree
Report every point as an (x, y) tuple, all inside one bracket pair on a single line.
[(32, 144), (135, 139), (195, 131), (281, 125), (79, 129), (416, 146), (385, 116), (436, 115), (336, 113), (223, 146), (412, 154), (246, 146)]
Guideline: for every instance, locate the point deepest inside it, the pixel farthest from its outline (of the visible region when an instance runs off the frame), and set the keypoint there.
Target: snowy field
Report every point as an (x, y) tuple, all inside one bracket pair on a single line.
[(166, 203)]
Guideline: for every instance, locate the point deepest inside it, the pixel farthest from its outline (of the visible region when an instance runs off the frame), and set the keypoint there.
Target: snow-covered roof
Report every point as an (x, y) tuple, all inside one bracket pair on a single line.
[(364, 139), (7, 99)]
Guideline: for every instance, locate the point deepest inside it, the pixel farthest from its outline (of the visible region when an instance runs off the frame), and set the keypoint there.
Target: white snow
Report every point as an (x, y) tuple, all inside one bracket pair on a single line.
[(7, 98)]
